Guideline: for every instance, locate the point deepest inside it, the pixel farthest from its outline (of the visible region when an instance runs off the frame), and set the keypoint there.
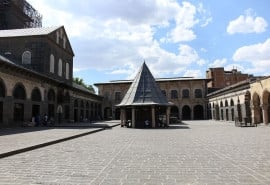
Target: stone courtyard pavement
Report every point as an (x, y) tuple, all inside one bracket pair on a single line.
[(197, 152)]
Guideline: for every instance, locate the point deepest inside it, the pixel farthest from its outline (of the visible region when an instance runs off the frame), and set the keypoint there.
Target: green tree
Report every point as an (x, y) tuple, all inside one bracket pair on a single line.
[(80, 81)]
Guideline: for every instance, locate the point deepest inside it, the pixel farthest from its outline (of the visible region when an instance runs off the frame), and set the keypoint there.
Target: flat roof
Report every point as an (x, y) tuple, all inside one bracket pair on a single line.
[(157, 80), (27, 31)]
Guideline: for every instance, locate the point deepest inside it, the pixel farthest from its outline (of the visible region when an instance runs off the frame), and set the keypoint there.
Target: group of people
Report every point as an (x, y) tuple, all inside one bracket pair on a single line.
[(45, 120), (37, 120)]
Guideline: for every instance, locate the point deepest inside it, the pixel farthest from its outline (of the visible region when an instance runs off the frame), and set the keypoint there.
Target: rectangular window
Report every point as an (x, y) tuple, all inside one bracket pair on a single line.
[(117, 96)]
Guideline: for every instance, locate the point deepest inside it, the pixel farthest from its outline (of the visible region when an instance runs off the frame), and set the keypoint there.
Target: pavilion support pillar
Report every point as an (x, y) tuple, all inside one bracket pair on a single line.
[(168, 112), (133, 117), (123, 116), (153, 117)]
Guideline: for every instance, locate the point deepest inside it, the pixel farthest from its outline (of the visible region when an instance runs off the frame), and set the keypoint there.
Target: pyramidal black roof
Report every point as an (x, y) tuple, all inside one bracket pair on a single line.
[(144, 90)]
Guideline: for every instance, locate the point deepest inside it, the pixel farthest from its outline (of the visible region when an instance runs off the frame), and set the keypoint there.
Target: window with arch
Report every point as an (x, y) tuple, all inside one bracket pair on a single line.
[(26, 57), (174, 94), (2, 89), (52, 63), (19, 92), (60, 66), (226, 103), (64, 42), (36, 96), (117, 96), (198, 93), (221, 104), (67, 71), (163, 92), (232, 102), (185, 93)]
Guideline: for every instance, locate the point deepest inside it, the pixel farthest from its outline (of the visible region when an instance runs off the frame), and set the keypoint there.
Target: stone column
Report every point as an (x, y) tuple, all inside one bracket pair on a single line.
[(179, 113), (133, 117), (168, 112), (265, 114), (28, 110), (8, 111), (192, 112), (153, 117), (253, 114)]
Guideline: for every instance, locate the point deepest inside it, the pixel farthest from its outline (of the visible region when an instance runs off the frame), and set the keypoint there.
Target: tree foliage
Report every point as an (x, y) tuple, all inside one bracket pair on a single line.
[(80, 81)]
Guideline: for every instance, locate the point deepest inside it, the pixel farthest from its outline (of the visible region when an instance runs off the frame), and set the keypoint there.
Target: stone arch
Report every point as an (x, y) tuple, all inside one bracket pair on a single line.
[(257, 108), (19, 92), (36, 95), (226, 110), (232, 109), (117, 113), (87, 110), (82, 110), (51, 103), (209, 111), (239, 111), (186, 113), (67, 105), (2, 95), (19, 95), (198, 112), (221, 110), (175, 112), (76, 114), (247, 106), (217, 116), (107, 113), (2, 89), (266, 106)]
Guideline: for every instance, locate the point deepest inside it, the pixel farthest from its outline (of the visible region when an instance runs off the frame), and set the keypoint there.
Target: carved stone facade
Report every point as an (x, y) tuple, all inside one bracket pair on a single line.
[(36, 70), (187, 94), (247, 101)]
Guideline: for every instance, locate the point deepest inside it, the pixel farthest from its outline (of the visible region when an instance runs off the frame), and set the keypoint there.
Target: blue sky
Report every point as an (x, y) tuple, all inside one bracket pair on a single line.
[(112, 38)]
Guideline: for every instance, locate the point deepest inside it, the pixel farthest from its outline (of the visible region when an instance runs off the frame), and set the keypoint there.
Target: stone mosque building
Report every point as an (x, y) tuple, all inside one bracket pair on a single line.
[(36, 71), (187, 95), (36, 78)]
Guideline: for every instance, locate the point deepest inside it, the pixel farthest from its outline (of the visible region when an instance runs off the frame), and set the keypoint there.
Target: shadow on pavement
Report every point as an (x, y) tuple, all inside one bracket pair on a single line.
[(20, 130), (172, 126)]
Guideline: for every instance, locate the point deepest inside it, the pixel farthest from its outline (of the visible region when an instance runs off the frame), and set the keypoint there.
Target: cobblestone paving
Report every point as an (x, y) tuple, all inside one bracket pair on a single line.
[(202, 152)]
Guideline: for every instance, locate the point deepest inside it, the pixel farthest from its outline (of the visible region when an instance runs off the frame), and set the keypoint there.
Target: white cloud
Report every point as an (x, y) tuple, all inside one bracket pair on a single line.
[(193, 73), (258, 55), (218, 63), (247, 23), (201, 62), (116, 37)]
